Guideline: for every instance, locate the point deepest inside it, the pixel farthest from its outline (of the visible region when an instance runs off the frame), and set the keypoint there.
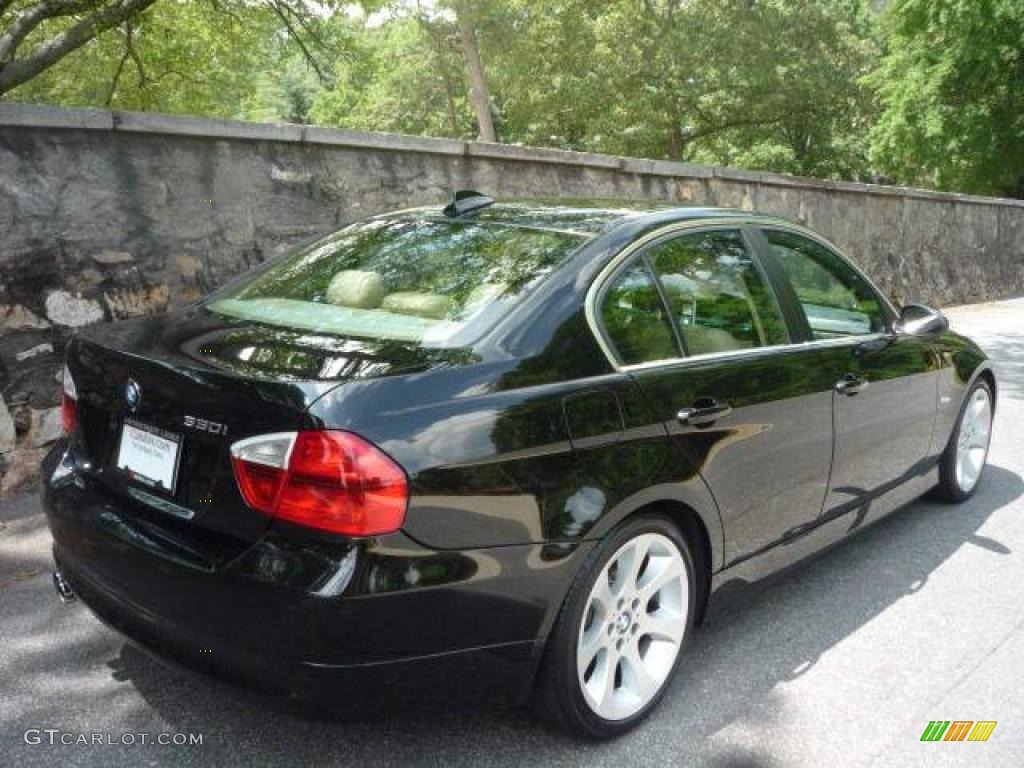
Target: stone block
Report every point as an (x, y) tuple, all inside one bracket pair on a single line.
[(64, 308), (136, 302), (36, 351), (44, 426), (15, 317)]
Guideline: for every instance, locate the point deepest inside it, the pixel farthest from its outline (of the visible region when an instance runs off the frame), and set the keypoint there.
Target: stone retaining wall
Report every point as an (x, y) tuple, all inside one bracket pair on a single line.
[(105, 215)]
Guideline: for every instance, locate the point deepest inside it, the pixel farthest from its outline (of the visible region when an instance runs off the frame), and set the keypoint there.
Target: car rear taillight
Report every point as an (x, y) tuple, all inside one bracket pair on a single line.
[(68, 404), (325, 479)]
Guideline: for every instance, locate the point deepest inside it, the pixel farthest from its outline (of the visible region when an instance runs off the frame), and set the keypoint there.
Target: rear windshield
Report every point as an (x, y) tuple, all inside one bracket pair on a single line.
[(435, 282)]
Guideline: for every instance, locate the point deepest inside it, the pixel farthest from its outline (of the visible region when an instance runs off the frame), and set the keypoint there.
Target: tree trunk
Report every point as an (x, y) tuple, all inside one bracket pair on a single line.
[(478, 94), (676, 141)]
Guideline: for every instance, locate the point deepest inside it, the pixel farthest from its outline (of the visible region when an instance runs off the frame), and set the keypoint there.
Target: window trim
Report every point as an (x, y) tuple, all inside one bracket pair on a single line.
[(609, 270)]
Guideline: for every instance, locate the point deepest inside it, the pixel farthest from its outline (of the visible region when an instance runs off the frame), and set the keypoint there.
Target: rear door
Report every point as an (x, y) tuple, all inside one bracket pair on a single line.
[(886, 394), (691, 316)]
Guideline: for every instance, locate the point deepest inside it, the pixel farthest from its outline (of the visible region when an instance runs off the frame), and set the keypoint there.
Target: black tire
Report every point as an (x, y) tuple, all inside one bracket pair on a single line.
[(557, 696), (949, 489)]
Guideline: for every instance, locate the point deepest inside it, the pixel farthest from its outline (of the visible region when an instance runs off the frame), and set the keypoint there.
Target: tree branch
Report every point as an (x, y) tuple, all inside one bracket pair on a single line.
[(130, 50), (120, 66), (281, 10), (31, 18), (46, 54), (681, 140)]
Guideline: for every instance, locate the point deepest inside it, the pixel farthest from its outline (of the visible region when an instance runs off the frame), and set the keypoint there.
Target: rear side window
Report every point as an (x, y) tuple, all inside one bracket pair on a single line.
[(716, 293), (634, 317), (836, 299), (434, 282)]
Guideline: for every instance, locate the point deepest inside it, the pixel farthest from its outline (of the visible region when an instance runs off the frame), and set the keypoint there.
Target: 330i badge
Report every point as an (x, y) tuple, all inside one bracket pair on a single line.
[(497, 452)]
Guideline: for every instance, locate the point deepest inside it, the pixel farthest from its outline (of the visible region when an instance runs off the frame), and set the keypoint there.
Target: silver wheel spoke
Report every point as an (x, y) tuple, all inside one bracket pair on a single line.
[(663, 627), (608, 679), (661, 572), (979, 406), (596, 685), (591, 645), (602, 596), (636, 678), (974, 458), (631, 578), (980, 439)]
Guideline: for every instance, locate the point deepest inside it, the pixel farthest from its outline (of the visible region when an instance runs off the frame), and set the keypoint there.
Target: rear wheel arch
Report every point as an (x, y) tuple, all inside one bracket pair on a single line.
[(690, 524)]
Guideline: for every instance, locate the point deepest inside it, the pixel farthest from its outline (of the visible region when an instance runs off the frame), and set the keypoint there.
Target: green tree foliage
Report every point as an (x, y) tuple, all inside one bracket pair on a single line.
[(951, 87), (773, 84), (402, 76), (770, 84), (35, 34), (191, 57), (927, 92)]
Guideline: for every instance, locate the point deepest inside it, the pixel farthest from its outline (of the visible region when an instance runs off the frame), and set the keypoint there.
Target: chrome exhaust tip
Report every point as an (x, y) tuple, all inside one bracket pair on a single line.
[(64, 590)]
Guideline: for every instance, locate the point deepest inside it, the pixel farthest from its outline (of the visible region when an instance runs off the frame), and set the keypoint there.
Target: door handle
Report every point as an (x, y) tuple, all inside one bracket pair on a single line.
[(851, 384), (705, 410)]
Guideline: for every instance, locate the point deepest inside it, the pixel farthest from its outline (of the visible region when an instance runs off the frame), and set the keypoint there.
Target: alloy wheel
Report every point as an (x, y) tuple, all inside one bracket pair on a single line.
[(633, 626), (973, 439)]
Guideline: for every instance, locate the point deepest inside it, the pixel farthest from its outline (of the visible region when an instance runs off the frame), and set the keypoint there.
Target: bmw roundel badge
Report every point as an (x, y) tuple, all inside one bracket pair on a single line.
[(132, 395)]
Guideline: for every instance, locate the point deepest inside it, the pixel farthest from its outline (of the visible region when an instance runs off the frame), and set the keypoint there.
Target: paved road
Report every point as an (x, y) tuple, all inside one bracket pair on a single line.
[(840, 663)]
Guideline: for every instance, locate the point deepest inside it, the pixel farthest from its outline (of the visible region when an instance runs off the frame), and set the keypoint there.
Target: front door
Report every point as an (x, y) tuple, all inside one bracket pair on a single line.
[(886, 395)]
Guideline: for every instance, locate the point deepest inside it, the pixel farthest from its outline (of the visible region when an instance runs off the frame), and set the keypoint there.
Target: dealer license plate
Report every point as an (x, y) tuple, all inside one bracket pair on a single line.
[(149, 455)]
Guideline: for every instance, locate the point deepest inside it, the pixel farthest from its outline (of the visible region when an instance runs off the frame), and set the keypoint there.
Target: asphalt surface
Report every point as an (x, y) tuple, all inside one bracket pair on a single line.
[(842, 662)]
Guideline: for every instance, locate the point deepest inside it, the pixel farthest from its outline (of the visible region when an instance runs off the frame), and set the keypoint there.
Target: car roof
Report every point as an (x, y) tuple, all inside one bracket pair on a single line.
[(589, 217)]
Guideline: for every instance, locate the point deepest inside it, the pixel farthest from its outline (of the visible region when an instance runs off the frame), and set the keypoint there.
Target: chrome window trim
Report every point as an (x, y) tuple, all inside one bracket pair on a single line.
[(840, 341), (705, 225)]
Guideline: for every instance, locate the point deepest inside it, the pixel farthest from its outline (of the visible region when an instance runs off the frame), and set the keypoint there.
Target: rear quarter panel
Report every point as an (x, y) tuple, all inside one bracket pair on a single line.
[(492, 466)]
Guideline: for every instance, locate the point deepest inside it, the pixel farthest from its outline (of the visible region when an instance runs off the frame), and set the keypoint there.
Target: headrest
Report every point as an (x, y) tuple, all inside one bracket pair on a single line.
[(356, 288)]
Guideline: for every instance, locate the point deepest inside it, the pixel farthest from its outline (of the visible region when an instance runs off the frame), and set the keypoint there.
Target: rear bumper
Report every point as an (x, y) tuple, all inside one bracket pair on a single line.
[(408, 626), (494, 675)]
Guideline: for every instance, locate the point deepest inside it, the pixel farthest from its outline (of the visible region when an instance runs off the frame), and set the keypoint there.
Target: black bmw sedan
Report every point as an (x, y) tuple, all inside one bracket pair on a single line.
[(497, 452)]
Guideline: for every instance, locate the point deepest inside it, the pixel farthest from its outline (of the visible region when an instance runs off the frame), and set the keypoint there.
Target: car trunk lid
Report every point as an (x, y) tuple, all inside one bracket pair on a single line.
[(199, 382)]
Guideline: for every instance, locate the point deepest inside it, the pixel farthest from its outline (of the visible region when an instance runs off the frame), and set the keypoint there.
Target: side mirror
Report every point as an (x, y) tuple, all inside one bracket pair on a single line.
[(919, 320)]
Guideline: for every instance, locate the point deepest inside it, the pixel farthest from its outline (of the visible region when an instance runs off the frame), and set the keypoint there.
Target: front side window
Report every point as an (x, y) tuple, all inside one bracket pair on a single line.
[(433, 282), (836, 300), (634, 317), (716, 293)]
